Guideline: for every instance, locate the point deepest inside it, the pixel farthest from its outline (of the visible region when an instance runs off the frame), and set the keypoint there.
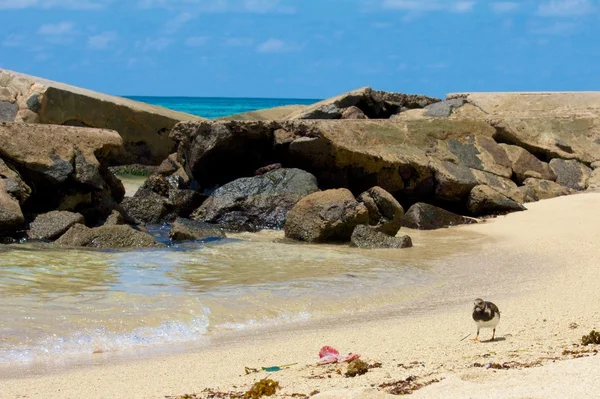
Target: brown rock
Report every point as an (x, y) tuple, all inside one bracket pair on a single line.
[(536, 189), (525, 165), (11, 216), (353, 112), (484, 200), (185, 229), (571, 173), (385, 213), (423, 216), (107, 237), (367, 237), (52, 225), (325, 216)]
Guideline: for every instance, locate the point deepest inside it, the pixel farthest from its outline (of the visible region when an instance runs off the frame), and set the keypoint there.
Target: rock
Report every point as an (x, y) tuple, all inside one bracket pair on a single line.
[(453, 182), (184, 202), (595, 165), (259, 202), (51, 225), (8, 111), (186, 229), (216, 153), (143, 127), (525, 165), (443, 109), (146, 208), (537, 189), (114, 219), (594, 181), (372, 103), (11, 216), (484, 200), (63, 164), (15, 185), (367, 237), (571, 173), (269, 114), (325, 216), (268, 168), (422, 216), (107, 237), (353, 112), (385, 213)]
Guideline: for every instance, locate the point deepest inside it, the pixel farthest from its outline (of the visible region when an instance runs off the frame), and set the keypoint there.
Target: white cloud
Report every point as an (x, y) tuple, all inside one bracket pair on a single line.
[(173, 25), (238, 41), (565, 8), (196, 41), (210, 6), (503, 7), (155, 45), (60, 29), (68, 4), (459, 6), (102, 41), (277, 46)]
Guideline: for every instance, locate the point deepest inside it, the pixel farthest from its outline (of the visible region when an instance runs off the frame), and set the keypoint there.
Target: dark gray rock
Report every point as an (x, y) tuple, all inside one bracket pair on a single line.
[(8, 111), (525, 165), (11, 216), (146, 208), (183, 203), (107, 237), (51, 225), (484, 200), (385, 212), (259, 202), (87, 174), (33, 102), (443, 109), (186, 229), (572, 174), (328, 111), (325, 216), (367, 237), (453, 182), (423, 216)]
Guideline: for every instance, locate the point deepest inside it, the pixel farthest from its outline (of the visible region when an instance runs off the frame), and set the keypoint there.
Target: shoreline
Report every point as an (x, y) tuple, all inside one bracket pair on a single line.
[(555, 237)]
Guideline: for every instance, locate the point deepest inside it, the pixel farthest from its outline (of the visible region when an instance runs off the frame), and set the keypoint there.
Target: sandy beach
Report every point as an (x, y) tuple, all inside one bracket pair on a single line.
[(540, 267)]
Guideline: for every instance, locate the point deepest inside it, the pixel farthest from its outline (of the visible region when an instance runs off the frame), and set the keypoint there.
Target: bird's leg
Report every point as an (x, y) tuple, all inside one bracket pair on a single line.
[(493, 334), (476, 339)]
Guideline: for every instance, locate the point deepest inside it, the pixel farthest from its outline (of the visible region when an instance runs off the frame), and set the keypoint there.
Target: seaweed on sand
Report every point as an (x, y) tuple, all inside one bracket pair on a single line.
[(593, 338), (407, 385), (266, 387)]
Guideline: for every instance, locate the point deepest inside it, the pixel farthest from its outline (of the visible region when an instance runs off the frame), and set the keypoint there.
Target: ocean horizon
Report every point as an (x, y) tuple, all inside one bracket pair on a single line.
[(217, 107)]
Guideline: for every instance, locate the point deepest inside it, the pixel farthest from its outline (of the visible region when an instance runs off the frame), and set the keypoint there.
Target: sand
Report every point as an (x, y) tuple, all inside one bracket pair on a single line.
[(541, 267)]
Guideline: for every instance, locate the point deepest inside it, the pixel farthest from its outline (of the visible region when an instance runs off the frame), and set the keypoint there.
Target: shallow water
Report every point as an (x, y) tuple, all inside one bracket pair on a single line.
[(57, 303)]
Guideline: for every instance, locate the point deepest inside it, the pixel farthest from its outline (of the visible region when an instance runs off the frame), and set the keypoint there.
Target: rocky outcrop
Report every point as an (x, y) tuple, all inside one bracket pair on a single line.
[(51, 225), (269, 114), (385, 212), (371, 103), (60, 168), (185, 229), (325, 216), (144, 128), (367, 237), (525, 165), (259, 202), (537, 189), (107, 237), (444, 109), (11, 216), (484, 200), (422, 216), (571, 173), (594, 181)]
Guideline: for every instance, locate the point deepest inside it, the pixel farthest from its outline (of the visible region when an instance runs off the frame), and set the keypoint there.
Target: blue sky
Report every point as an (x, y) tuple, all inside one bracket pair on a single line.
[(304, 48)]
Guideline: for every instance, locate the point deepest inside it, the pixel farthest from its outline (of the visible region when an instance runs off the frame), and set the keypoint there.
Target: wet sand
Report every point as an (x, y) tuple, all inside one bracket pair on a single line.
[(541, 267)]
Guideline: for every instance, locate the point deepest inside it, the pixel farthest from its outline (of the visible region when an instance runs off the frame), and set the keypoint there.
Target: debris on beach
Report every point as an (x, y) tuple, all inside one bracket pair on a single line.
[(578, 353), (593, 338), (411, 365), (328, 355), (266, 387), (406, 386), (356, 367), (508, 365)]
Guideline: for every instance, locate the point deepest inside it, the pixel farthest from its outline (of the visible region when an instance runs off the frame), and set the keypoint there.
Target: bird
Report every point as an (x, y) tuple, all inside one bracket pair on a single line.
[(485, 315)]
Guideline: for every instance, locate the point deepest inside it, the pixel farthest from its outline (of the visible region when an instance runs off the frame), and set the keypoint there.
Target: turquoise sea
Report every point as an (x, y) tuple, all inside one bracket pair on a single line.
[(216, 107)]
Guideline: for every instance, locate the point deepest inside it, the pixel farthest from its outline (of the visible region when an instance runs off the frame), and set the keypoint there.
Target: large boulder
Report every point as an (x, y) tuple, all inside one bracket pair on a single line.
[(11, 216), (259, 202), (571, 173), (367, 237), (143, 127), (66, 165), (14, 182), (422, 216), (107, 237), (373, 104), (537, 189), (385, 212), (185, 229), (325, 216), (525, 165), (51, 225), (594, 181), (484, 200)]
